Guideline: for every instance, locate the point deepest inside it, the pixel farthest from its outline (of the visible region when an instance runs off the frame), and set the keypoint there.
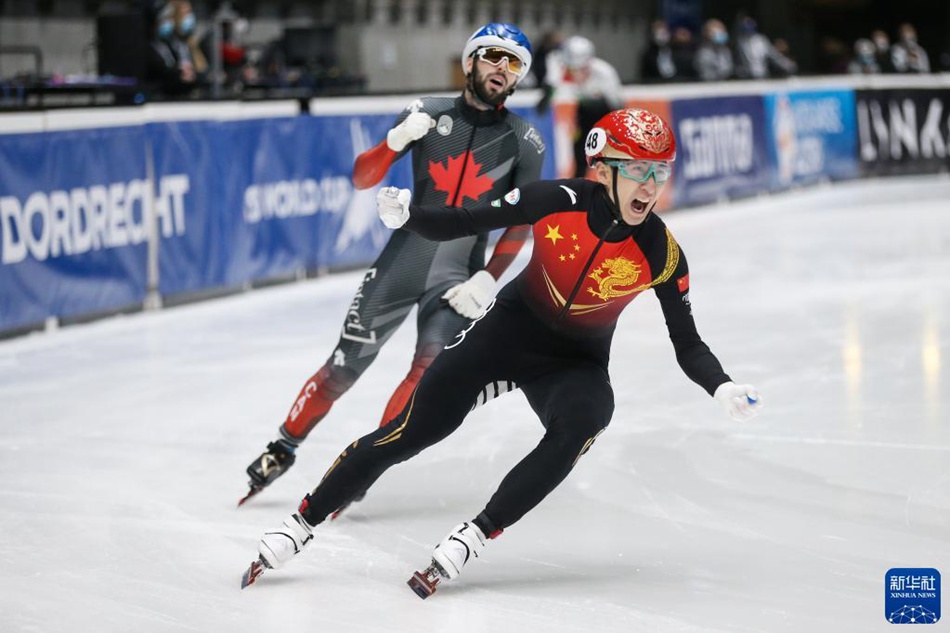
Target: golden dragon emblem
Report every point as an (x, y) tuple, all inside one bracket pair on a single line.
[(613, 274)]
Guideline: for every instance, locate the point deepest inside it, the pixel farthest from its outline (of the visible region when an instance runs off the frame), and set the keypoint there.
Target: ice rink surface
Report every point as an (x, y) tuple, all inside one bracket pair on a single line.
[(123, 445)]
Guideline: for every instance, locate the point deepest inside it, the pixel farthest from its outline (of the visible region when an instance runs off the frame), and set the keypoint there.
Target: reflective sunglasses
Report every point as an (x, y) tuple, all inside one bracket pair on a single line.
[(494, 56), (641, 170)]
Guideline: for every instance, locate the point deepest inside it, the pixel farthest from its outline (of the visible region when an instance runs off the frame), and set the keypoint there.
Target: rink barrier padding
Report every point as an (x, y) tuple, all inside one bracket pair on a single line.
[(903, 131), (722, 149), (811, 136), (105, 209), (73, 235)]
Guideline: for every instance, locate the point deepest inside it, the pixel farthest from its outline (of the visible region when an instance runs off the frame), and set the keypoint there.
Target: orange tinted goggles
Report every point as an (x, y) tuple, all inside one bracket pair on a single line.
[(494, 55)]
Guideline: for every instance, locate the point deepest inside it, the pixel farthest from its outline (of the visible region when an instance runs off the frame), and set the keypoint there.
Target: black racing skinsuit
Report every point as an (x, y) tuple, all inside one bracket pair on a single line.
[(549, 334)]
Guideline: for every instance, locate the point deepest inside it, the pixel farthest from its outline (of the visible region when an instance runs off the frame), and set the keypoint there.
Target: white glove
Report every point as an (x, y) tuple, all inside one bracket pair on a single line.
[(392, 204), (470, 298), (741, 402), (413, 127)]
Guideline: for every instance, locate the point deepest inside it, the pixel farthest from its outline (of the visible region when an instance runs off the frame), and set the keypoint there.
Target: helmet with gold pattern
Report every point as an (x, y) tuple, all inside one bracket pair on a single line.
[(631, 134)]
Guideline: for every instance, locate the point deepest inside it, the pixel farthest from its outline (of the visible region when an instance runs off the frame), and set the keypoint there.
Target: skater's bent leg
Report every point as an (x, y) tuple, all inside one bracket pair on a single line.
[(315, 399), (433, 412), (360, 343), (575, 406), (404, 391), (445, 394), (437, 325)]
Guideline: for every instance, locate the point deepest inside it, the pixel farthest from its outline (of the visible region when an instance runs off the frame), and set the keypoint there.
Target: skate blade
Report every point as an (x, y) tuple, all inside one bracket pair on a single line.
[(253, 492), (253, 572), (342, 508), (339, 511), (424, 582)]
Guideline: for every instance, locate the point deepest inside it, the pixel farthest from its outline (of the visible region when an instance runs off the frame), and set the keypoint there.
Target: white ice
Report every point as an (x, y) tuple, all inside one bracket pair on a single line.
[(123, 445)]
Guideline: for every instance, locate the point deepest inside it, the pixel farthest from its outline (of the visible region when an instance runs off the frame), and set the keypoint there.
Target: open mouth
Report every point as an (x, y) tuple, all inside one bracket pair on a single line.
[(639, 206), (497, 82)]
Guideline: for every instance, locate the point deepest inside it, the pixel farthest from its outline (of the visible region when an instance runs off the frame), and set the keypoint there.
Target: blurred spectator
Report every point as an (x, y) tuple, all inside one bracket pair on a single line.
[(788, 66), (234, 59), (834, 57), (755, 53), (574, 72), (166, 74), (713, 57), (882, 51), (684, 55), (293, 62), (657, 61), (185, 42), (864, 62), (550, 42), (907, 55), (273, 68)]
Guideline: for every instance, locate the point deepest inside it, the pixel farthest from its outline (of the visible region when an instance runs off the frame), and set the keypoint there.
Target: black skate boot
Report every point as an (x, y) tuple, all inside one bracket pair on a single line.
[(272, 463)]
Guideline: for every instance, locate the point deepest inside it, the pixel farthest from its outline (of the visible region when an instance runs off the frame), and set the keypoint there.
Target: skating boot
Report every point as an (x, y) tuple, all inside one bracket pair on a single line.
[(272, 463), (466, 541), (279, 546)]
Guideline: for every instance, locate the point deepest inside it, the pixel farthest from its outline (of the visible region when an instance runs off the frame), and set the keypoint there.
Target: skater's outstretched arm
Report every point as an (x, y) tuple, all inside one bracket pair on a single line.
[(525, 205), (697, 361)]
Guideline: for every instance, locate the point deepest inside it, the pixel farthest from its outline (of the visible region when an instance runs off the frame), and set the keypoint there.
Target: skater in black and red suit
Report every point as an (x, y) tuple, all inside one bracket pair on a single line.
[(597, 246)]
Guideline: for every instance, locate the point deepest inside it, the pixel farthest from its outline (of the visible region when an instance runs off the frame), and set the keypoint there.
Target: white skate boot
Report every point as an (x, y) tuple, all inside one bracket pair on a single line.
[(463, 543), (279, 546)]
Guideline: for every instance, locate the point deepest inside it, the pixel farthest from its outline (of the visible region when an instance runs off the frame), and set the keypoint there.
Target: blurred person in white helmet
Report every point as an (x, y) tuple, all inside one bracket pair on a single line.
[(575, 73), (464, 149)]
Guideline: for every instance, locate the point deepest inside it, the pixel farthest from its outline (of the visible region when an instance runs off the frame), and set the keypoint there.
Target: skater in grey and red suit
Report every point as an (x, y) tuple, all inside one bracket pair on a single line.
[(465, 150)]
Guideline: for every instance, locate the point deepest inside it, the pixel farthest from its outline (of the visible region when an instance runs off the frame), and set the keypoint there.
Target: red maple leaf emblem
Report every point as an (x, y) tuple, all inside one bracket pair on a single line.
[(447, 177)]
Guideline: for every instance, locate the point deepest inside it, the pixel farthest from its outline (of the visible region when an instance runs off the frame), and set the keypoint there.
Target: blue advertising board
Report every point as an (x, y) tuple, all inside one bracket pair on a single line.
[(723, 149), (73, 223), (352, 234), (813, 136), (264, 198), (194, 235), (234, 202)]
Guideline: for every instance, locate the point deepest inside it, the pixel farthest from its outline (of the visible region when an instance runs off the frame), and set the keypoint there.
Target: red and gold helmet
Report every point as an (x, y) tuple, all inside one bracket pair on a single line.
[(631, 133)]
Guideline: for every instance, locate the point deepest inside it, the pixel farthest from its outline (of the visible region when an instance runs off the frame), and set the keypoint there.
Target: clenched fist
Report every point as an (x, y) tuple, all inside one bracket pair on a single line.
[(392, 204), (414, 127)]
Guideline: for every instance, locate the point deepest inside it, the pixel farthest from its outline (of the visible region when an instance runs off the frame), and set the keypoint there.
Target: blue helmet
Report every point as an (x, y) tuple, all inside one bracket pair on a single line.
[(507, 36)]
